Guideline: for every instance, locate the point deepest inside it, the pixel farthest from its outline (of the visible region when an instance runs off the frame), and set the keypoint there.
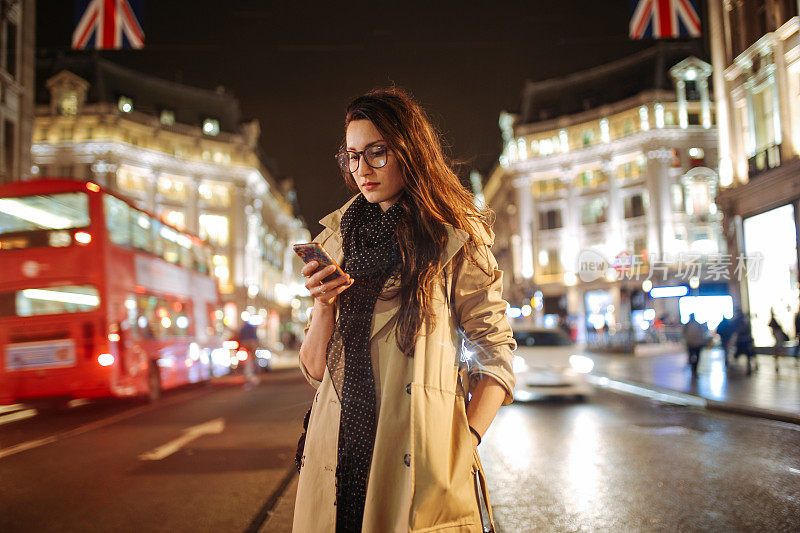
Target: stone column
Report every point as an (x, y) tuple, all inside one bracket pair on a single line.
[(614, 241), (526, 215), (572, 224), (783, 97), (660, 231)]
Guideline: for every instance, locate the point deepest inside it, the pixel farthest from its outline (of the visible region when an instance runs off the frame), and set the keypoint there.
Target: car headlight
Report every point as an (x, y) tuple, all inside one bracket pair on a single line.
[(519, 364), (581, 363)]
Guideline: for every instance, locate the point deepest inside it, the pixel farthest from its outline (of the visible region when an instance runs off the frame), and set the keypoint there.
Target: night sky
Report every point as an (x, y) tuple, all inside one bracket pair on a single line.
[(295, 65)]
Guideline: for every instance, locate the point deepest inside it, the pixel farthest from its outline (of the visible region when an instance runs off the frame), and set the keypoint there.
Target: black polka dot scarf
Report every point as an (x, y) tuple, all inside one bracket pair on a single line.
[(371, 256)]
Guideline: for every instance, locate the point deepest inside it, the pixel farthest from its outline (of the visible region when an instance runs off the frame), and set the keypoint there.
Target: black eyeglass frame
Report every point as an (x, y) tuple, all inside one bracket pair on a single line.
[(361, 155)]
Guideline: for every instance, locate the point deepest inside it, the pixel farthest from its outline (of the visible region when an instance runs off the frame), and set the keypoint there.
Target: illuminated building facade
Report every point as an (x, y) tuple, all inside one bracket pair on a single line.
[(618, 159), (185, 155), (17, 49), (755, 47)]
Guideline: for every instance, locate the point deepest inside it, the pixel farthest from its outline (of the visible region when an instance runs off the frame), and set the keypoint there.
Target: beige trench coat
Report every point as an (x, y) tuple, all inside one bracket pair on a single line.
[(424, 468)]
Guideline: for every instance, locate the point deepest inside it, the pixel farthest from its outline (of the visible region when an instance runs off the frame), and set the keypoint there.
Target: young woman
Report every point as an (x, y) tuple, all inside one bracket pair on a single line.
[(391, 440)]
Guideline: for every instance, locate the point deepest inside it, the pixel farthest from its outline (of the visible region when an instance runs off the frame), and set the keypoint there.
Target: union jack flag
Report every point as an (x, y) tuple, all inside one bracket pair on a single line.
[(662, 19), (114, 24)]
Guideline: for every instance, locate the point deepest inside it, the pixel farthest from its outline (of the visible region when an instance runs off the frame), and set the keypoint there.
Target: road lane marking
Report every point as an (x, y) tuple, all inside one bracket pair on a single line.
[(5, 452), (665, 396), (10, 408), (19, 415), (212, 427)]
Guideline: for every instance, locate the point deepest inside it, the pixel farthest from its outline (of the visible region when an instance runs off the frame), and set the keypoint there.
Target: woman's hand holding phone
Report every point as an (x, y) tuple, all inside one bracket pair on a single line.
[(324, 293)]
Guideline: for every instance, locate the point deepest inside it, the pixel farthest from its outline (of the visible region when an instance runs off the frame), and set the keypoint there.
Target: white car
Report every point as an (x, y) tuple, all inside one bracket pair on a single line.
[(548, 363)]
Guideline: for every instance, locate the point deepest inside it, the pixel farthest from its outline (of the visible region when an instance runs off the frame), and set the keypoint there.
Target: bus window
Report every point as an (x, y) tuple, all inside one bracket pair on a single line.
[(47, 211), (118, 220), (141, 232), (201, 257), (185, 245), (49, 300), (156, 238), (169, 239)]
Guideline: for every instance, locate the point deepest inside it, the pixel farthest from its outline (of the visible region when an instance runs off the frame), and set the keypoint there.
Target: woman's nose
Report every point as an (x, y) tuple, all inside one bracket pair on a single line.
[(363, 168)]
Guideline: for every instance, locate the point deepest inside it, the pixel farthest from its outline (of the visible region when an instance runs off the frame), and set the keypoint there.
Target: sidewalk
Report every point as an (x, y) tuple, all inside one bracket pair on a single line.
[(765, 394)]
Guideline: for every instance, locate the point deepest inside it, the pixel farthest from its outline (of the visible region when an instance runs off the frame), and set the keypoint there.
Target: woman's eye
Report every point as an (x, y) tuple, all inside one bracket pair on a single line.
[(378, 150)]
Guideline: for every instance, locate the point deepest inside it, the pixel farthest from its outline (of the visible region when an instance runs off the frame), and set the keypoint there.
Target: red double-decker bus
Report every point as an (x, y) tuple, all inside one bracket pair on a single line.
[(98, 298)]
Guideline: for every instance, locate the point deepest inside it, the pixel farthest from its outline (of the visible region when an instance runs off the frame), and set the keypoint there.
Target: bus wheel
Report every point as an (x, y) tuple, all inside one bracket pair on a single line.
[(153, 383)]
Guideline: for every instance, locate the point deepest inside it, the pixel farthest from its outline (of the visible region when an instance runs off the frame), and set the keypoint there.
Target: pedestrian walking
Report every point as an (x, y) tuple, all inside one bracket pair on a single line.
[(726, 330), (797, 337), (744, 342), (779, 336), (695, 335), (392, 438), (248, 339)]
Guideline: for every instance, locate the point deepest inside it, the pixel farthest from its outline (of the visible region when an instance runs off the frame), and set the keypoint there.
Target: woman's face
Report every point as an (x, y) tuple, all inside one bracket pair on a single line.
[(378, 185)]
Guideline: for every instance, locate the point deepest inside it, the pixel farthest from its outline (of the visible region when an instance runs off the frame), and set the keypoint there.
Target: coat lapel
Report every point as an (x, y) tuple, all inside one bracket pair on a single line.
[(385, 310)]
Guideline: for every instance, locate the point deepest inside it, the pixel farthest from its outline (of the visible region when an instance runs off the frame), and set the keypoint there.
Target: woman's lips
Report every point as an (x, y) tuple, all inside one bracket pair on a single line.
[(369, 186)]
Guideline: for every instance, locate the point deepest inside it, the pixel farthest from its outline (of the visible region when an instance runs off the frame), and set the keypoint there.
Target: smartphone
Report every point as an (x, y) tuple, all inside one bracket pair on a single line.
[(312, 251)]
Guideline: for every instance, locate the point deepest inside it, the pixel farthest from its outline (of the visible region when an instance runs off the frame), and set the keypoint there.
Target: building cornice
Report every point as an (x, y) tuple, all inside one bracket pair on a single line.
[(639, 141), (649, 97)]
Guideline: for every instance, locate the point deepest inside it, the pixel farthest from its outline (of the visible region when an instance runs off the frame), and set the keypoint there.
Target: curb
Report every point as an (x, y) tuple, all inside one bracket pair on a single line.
[(691, 400)]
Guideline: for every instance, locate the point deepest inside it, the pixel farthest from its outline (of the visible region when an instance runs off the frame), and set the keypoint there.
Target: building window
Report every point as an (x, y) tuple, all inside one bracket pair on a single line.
[(211, 126), (132, 180), (125, 104), (550, 219), (594, 212), (644, 120), (214, 194), (167, 117), (550, 261), (605, 131), (11, 47), (173, 188), (547, 187), (214, 229), (634, 206), (592, 178), (68, 103), (627, 127), (587, 137)]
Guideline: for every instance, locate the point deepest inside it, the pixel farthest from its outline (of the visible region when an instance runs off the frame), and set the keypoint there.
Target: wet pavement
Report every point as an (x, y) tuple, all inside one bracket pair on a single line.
[(764, 390), (622, 463)]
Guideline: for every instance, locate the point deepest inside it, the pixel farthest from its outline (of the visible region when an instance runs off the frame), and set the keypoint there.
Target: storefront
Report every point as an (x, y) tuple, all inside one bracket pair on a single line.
[(770, 243)]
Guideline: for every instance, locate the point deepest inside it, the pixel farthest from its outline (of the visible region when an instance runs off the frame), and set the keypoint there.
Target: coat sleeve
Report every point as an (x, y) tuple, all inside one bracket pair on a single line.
[(321, 238), (481, 313)]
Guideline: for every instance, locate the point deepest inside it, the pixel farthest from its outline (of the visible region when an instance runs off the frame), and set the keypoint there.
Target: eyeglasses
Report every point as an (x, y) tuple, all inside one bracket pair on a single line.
[(374, 156)]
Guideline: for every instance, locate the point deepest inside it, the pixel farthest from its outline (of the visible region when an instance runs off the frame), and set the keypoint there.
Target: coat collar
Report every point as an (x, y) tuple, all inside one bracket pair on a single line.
[(456, 238)]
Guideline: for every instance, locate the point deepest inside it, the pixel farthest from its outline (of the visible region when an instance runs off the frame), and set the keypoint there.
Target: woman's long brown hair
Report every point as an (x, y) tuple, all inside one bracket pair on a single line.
[(434, 197)]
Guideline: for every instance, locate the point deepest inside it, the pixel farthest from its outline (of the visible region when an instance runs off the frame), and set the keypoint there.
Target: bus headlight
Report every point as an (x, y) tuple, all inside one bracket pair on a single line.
[(105, 359)]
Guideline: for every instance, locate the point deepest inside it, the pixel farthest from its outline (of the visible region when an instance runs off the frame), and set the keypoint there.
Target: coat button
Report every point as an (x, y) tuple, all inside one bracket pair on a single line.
[(408, 388), (407, 459)]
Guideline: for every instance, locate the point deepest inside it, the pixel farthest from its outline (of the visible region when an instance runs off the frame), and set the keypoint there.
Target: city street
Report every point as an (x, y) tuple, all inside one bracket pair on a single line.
[(95, 477), (219, 458)]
